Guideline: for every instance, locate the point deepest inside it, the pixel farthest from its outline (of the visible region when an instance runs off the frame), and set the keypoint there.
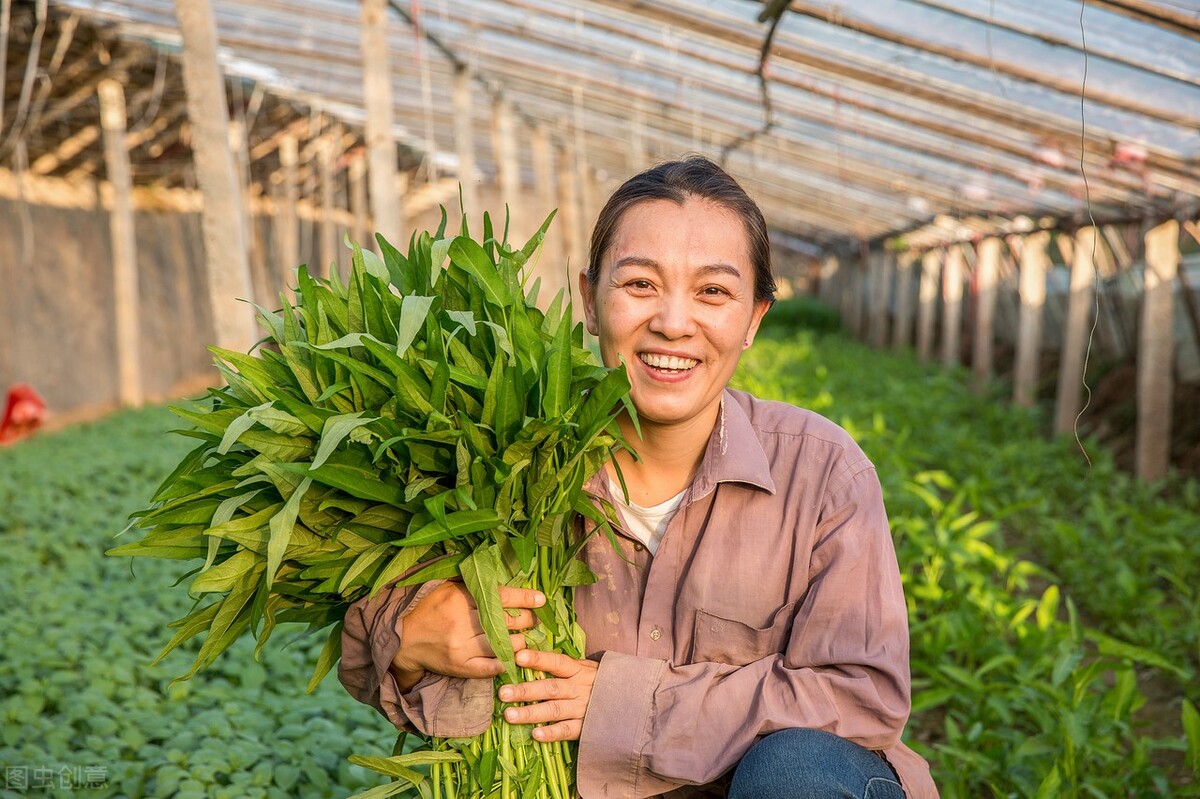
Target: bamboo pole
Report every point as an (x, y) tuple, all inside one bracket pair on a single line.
[(902, 325), (358, 200), (927, 304), (543, 190), (877, 303), (464, 140), (326, 157), (827, 289), (228, 273), (260, 278), (508, 167), (1156, 353), (1034, 263), (569, 207), (379, 135), (286, 220), (987, 266), (952, 302), (1080, 303), (124, 245)]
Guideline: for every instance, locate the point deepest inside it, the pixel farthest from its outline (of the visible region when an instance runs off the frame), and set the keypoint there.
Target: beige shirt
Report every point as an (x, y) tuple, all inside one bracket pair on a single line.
[(774, 601)]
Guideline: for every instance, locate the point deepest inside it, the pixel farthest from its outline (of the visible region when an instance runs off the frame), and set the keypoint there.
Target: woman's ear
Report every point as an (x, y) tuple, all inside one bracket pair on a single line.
[(760, 310), (587, 295)]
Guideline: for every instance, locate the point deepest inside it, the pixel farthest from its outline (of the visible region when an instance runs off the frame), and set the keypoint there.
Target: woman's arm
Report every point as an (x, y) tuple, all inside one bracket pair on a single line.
[(419, 655)]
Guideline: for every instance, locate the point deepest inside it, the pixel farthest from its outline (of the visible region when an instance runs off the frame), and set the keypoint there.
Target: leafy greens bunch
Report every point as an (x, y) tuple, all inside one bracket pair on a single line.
[(422, 419)]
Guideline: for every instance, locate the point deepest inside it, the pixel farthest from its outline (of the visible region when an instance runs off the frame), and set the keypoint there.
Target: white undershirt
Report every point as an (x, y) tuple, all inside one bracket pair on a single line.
[(646, 524)]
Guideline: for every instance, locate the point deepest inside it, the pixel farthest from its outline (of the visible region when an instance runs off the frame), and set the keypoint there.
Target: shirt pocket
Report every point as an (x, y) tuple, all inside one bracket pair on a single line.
[(721, 640)]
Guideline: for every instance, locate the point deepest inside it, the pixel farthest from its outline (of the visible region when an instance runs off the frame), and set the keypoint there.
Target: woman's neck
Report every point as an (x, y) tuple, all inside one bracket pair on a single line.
[(668, 456)]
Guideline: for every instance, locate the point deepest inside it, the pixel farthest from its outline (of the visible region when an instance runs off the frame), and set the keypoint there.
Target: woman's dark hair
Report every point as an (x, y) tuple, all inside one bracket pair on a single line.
[(694, 176)]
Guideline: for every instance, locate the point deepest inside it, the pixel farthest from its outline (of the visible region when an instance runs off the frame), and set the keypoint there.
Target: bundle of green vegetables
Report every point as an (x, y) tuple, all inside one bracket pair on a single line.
[(421, 420)]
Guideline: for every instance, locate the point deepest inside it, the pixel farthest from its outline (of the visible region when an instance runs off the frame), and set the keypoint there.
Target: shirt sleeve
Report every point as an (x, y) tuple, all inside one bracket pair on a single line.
[(446, 707), (652, 725)]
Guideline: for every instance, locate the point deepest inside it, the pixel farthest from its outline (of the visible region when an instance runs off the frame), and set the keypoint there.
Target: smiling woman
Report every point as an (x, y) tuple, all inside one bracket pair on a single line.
[(747, 636)]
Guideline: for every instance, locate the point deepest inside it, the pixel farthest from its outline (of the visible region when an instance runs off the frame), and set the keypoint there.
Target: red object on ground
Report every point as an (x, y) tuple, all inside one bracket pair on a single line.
[(23, 414)]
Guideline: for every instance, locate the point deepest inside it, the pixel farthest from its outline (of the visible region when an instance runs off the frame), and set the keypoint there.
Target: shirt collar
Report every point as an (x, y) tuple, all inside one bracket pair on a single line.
[(743, 461)]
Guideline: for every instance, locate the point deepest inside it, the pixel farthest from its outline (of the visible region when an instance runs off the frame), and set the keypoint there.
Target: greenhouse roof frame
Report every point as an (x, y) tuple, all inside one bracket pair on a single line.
[(846, 121)]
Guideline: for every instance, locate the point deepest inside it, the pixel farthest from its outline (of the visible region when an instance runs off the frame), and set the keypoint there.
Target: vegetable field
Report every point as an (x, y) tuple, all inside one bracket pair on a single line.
[(1054, 609)]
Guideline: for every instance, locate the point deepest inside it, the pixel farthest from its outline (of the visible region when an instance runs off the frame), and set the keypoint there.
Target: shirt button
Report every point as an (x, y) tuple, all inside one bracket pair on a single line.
[(639, 546), (655, 634)]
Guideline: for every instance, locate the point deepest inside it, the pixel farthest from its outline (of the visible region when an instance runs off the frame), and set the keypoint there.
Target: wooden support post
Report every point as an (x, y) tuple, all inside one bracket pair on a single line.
[(931, 264), (590, 197), (830, 276), (569, 207), (987, 270), (877, 322), (379, 135), (1079, 316), (508, 167), (124, 244), (857, 313), (903, 323), (464, 141), (287, 219), (358, 202), (952, 302), (543, 190), (326, 156), (1032, 289), (1156, 353), (259, 278), (228, 273)]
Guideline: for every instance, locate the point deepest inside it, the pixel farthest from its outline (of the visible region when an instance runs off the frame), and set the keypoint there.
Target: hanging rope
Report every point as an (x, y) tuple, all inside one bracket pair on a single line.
[(1087, 195), (773, 13)]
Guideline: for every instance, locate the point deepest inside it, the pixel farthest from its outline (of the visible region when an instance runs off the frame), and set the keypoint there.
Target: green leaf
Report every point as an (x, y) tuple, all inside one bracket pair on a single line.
[(220, 578), (464, 318), (1191, 730), (1116, 648), (335, 431), (356, 480), (278, 421), (331, 653), (556, 397), (457, 524), (281, 525), (482, 576), (414, 310), (472, 258), (238, 426)]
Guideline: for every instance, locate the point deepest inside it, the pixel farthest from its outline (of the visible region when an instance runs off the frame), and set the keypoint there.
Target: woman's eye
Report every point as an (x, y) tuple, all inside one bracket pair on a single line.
[(639, 284), (715, 291)]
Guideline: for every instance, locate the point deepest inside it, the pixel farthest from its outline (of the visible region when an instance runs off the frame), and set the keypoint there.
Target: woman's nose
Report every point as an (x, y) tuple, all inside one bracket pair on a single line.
[(673, 318)]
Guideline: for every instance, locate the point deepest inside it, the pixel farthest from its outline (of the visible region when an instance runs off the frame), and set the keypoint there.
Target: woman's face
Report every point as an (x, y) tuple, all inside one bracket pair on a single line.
[(675, 300)]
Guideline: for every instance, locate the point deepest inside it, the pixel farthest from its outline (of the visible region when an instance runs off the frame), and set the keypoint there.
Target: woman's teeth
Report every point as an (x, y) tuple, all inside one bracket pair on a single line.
[(668, 363)]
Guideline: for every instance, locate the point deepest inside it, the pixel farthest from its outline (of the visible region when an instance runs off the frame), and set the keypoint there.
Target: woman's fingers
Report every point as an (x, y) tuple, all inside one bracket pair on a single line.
[(558, 701), (553, 663)]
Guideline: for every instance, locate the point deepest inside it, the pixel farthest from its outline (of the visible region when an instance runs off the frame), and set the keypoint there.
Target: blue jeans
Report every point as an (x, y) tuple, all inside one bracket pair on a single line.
[(812, 764)]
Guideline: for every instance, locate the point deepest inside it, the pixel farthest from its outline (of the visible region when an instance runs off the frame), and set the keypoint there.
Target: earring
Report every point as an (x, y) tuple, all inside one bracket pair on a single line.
[(745, 343)]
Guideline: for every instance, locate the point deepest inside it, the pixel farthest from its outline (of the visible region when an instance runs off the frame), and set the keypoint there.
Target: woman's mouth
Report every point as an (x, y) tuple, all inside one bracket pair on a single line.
[(667, 364)]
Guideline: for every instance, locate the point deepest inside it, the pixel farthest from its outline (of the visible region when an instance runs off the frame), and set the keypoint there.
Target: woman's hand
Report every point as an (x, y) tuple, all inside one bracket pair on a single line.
[(559, 701), (442, 634)]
